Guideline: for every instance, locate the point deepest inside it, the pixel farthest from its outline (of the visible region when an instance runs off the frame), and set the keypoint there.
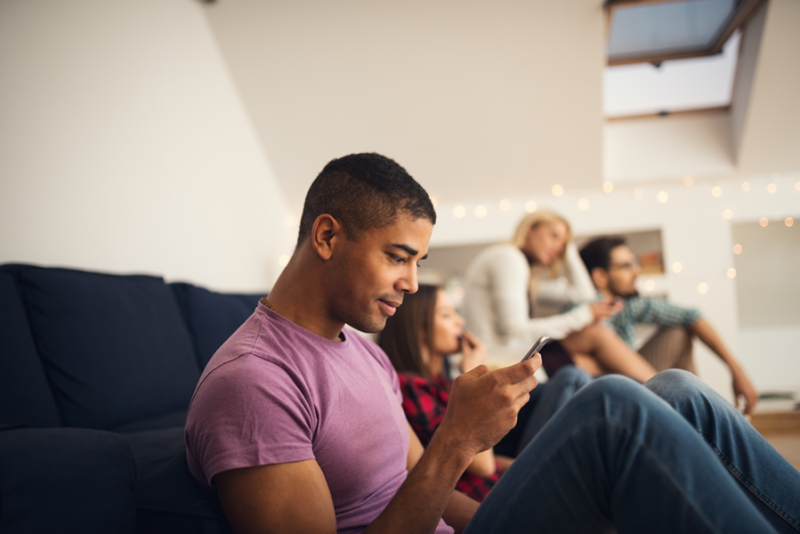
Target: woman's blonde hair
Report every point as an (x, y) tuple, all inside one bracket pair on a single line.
[(538, 271)]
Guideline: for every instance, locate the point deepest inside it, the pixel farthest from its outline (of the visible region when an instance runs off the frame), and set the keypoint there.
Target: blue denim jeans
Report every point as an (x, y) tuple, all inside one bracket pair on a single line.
[(670, 456), (557, 392)]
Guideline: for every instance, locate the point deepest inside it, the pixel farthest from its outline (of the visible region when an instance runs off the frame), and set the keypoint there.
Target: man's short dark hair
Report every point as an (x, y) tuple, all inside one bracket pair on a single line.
[(364, 191), (597, 252)]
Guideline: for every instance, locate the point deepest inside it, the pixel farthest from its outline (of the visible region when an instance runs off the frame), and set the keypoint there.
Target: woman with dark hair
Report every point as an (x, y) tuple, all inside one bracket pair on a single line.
[(417, 339)]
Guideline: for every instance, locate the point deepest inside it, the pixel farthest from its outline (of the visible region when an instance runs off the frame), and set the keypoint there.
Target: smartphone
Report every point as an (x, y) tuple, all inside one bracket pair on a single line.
[(541, 342)]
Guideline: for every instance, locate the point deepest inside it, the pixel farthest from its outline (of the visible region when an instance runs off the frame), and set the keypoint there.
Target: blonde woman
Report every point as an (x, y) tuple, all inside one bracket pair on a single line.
[(501, 285)]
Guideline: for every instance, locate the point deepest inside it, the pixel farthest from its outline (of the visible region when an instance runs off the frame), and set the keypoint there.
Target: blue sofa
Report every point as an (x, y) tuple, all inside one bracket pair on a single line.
[(97, 373)]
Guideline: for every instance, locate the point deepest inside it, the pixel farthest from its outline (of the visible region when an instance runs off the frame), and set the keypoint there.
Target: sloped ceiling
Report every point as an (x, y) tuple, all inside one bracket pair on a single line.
[(475, 98), (770, 137)]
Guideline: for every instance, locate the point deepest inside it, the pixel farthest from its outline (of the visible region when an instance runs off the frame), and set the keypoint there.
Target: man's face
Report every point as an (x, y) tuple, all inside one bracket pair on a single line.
[(622, 272), (372, 275)]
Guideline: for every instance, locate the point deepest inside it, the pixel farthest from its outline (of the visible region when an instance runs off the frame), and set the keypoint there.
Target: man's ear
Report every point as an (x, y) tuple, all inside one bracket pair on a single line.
[(325, 234), (600, 278)]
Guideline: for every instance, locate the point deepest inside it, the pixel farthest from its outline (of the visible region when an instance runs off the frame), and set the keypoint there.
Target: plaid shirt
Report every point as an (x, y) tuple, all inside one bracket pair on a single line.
[(424, 402), (649, 310)]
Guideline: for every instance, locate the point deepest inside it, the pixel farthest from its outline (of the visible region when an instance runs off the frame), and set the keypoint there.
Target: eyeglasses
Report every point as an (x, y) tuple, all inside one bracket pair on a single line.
[(628, 266)]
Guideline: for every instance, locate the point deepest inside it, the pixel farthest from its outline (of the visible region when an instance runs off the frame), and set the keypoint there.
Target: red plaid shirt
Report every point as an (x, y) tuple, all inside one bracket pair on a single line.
[(424, 402)]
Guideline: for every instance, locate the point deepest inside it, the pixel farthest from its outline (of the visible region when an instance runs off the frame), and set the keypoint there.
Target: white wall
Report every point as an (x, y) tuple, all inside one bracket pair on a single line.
[(125, 147), (694, 233)]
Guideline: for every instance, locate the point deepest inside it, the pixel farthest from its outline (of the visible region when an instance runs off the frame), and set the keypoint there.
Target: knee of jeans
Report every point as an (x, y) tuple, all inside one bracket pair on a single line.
[(569, 375), (675, 385), (612, 386)]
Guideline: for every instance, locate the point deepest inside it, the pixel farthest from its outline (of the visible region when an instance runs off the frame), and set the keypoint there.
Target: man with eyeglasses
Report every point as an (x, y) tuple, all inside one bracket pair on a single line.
[(614, 269)]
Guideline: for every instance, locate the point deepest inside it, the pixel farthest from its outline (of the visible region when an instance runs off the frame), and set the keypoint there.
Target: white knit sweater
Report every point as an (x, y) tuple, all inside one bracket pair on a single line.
[(496, 305)]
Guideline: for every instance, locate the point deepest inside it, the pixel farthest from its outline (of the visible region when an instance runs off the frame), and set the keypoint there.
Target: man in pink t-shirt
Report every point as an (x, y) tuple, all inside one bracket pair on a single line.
[(297, 423)]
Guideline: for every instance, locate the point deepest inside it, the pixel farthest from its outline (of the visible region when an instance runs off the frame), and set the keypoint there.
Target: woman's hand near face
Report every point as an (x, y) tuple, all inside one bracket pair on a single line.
[(603, 309), (473, 352)]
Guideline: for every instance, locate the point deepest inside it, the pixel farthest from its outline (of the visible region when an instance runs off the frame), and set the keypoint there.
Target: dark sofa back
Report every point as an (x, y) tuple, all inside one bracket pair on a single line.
[(212, 317), (114, 348), (25, 397), (114, 352)]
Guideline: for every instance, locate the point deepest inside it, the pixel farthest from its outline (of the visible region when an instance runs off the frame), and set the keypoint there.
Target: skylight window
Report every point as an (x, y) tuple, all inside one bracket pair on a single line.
[(677, 85)]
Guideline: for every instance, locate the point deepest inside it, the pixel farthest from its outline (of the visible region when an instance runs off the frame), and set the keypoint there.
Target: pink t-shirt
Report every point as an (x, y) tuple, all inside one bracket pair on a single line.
[(276, 393)]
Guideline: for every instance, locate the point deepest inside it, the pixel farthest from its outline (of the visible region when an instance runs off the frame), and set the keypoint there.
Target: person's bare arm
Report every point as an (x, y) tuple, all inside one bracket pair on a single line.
[(460, 508), (459, 511), (290, 497), (602, 347), (483, 465), (742, 387), (294, 497)]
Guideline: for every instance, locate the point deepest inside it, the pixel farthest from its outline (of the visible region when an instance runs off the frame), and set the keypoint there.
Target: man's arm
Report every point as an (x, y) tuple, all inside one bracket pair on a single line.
[(742, 387), (460, 508), (295, 498)]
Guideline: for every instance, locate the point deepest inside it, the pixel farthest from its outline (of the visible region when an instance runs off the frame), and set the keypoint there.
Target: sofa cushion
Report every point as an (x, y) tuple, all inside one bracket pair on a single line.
[(168, 498), (212, 317), (25, 396), (114, 347), (66, 480)]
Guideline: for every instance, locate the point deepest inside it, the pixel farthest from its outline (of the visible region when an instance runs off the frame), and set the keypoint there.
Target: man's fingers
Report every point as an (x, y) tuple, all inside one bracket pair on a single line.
[(520, 371), (474, 373)]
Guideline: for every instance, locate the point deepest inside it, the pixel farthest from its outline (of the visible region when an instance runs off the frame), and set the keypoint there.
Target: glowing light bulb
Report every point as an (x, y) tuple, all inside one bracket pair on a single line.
[(716, 191), (505, 205), (480, 211), (763, 221), (727, 214), (557, 190), (772, 188), (731, 273), (746, 186), (583, 204), (530, 206), (608, 187), (702, 288), (677, 267), (737, 249), (789, 221), (459, 211), (688, 181), (663, 197)]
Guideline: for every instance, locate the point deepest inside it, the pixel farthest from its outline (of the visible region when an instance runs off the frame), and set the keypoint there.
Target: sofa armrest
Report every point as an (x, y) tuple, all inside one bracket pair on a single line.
[(66, 480)]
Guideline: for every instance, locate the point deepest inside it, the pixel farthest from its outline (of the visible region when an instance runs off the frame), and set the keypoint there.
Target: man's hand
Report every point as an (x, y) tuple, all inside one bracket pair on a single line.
[(473, 352), (742, 387), (603, 309), (483, 406)]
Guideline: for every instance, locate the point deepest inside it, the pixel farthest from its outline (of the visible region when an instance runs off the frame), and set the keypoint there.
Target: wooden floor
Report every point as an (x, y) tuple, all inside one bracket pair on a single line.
[(782, 431)]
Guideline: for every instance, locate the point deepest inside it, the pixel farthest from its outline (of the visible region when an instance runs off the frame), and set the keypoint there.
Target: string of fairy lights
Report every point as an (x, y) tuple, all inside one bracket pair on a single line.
[(771, 185)]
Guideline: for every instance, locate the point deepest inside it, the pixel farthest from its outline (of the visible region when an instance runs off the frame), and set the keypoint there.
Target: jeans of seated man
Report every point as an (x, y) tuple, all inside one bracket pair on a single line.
[(669, 348), (669, 456)]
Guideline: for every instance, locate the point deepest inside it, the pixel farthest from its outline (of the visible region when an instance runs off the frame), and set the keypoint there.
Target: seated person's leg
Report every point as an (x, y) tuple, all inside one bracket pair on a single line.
[(610, 354), (617, 454), (669, 348), (773, 484), (560, 389)]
